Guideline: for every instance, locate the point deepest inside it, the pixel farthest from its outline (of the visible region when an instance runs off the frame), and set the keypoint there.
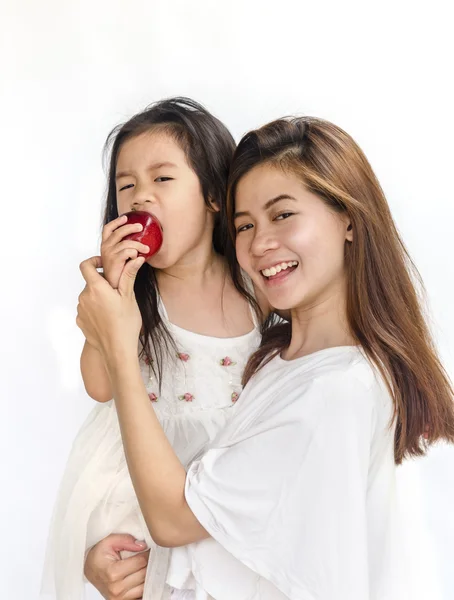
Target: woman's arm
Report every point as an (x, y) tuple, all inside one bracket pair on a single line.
[(157, 474), (94, 374), (110, 320)]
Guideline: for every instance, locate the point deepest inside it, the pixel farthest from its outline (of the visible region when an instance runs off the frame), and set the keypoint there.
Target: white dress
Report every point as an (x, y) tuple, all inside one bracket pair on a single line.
[(200, 385), (298, 490)]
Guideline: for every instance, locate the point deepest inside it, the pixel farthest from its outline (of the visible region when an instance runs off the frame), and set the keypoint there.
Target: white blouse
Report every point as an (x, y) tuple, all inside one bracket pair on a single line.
[(298, 490)]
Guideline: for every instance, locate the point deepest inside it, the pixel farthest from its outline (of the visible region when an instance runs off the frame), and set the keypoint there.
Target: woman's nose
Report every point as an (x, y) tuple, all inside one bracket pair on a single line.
[(263, 242)]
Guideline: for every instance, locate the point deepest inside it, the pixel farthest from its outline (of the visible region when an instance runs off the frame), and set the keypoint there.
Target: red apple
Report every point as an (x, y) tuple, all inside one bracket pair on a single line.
[(151, 234)]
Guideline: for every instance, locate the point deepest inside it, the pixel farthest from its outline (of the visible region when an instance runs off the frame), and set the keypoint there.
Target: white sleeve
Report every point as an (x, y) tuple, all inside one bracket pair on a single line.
[(288, 498)]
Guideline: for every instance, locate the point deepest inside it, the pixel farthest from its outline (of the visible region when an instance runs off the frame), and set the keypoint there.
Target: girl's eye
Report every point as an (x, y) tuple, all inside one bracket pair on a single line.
[(126, 187), (163, 179), (283, 216), (243, 228)]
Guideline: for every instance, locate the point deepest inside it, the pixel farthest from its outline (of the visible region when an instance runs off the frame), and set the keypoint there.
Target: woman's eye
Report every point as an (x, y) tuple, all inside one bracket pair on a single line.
[(126, 187), (282, 216), (162, 179), (243, 228)]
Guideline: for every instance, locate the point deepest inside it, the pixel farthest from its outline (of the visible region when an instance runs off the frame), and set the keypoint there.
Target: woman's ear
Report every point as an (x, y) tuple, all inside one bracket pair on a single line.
[(349, 232)]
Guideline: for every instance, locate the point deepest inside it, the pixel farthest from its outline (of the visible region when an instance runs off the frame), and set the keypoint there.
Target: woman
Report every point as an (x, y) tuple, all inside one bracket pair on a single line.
[(295, 498)]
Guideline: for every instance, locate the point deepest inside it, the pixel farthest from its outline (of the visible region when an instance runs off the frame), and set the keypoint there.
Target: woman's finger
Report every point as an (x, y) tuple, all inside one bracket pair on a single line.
[(135, 594), (89, 267), (112, 225), (130, 566), (117, 542), (132, 582)]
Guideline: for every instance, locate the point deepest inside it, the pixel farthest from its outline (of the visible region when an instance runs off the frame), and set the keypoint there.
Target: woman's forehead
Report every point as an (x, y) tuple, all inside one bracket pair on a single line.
[(264, 185)]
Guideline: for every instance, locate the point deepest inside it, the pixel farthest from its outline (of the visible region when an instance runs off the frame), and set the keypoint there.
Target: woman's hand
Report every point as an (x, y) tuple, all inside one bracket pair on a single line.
[(116, 251), (109, 318), (114, 578)]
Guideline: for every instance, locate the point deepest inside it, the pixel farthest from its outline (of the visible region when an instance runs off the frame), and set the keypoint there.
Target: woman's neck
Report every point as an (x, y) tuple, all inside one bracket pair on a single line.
[(319, 326)]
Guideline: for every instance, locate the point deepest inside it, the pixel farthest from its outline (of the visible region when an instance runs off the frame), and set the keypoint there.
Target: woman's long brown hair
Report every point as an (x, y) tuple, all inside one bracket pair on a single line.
[(384, 289)]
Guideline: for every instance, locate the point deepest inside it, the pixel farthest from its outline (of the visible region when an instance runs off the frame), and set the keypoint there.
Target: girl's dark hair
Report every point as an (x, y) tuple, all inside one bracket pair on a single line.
[(383, 309), (209, 147)]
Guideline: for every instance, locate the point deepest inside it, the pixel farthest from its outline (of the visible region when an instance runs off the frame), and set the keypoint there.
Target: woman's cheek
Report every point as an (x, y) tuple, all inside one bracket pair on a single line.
[(307, 236), (295, 238), (241, 254)]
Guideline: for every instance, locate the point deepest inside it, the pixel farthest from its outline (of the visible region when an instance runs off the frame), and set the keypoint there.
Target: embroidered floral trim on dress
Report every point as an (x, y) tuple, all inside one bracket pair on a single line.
[(153, 397), (226, 362), (183, 356), (186, 397), (235, 396)]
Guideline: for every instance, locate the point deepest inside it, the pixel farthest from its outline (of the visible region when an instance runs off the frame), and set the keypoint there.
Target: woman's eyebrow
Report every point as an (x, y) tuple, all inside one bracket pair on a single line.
[(277, 199), (267, 205)]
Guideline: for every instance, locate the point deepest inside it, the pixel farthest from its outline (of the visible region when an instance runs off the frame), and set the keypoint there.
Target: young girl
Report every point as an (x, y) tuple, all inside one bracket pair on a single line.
[(295, 498), (197, 327)]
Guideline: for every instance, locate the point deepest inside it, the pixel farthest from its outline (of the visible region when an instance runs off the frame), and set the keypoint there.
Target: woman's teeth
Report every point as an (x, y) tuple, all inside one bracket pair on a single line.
[(278, 268)]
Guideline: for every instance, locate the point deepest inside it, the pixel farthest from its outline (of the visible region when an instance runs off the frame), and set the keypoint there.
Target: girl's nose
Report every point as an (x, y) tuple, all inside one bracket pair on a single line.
[(143, 197), (140, 203)]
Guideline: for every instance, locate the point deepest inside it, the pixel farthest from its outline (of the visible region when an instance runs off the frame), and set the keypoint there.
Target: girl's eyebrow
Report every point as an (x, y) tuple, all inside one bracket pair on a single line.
[(267, 206), (122, 174), (152, 167)]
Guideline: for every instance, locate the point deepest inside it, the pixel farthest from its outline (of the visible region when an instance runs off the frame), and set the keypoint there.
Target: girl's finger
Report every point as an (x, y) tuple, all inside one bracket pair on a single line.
[(123, 256), (112, 225), (128, 276), (130, 244), (120, 232)]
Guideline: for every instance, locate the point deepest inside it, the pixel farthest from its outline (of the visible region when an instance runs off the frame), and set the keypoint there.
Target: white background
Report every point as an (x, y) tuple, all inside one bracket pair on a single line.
[(72, 70)]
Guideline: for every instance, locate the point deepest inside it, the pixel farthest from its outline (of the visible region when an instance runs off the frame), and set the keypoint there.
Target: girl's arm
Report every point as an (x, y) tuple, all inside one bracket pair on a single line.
[(94, 374), (92, 365), (157, 474)]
